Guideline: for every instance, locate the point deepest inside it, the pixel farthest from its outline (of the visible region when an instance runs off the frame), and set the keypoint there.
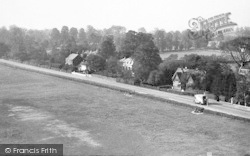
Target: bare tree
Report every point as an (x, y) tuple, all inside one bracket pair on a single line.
[(239, 49)]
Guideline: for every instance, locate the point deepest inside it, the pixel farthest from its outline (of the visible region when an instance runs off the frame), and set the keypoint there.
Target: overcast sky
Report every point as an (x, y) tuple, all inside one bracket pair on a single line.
[(132, 14)]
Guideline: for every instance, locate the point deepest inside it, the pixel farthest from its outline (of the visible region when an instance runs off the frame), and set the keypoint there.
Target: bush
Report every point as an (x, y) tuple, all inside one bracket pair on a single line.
[(96, 62), (189, 93), (22, 56), (113, 67), (130, 81), (33, 62), (4, 49), (56, 65), (69, 68), (155, 78)]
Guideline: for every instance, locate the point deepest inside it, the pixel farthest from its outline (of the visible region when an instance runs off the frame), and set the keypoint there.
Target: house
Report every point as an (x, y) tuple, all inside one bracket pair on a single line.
[(127, 63), (73, 59), (189, 76)]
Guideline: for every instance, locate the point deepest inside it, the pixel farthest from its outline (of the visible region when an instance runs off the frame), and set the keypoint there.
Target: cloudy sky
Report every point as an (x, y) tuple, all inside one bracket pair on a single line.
[(132, 14)]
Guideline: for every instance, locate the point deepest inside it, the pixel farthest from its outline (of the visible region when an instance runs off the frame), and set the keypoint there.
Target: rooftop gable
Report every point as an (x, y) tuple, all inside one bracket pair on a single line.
[(72, 56)]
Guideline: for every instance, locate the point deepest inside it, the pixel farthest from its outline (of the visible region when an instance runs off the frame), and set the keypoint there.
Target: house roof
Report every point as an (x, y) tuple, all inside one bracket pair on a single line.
[(179, 75), (127, 59), (190, 73), (72, 56)]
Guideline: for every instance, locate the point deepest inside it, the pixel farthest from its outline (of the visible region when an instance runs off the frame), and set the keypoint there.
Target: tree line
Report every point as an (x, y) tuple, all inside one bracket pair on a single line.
[(24, 43), (53, 46)]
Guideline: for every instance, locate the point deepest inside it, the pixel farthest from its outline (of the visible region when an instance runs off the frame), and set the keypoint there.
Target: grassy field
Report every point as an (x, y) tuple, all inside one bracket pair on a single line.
[(90, 120), (199, 52)]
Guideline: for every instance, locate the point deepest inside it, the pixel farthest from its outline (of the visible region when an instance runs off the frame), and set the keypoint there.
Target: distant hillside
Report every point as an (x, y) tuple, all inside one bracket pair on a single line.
[(183, 53)]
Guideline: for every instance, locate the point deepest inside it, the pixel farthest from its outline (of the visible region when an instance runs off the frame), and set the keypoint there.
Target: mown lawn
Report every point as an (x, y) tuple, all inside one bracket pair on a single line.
[(90, 120)]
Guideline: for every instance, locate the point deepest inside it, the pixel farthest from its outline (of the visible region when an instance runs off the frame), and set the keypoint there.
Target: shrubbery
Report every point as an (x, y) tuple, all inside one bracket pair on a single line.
[(96, 62)]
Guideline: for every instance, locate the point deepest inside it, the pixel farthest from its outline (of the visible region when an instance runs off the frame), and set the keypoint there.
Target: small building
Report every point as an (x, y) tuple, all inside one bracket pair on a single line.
[(73, 59), (127, 63), (187, 76)]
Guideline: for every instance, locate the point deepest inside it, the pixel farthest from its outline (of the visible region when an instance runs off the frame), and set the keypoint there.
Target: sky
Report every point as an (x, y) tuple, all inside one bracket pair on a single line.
[(170, 15)]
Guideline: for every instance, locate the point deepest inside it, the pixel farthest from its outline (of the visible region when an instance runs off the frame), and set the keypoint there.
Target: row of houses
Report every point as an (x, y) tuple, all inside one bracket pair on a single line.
[(190, 74), (77, 61)]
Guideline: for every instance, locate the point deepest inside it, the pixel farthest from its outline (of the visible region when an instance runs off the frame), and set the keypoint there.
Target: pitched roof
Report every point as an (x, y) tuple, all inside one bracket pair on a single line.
[(179, 75), (72, 56), (189, 72), (127, 59)]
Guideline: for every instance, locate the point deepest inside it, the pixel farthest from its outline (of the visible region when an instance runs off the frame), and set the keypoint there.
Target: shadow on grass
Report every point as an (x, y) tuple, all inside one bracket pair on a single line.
[(214, 103), (17, 102)]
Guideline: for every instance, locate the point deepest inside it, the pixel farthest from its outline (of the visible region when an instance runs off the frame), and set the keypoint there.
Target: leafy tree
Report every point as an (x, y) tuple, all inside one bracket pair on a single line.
[(71, 45), (129, 45), (82, 38), (185, 41), (93, 37), (113, 67), (181, 46), (213, 71), (160, 39), (169, 41), (155, 78), (242, 89), (4, 36), (200, 43), (107, 48), (96, 62), (17, 42), (73, 33), (118, 40), (198, 80), (147, 58), (34, 50), (118, 32), (22, 56), (44, 44), (94, 41), (4, 49), (90, 30), (55, 37), (213, 45), (124, 73), (176, 39), (142, 29), (239, 50), (216, 84), (193, 61), (64, 35), (230, 86), (38, 35), (58, 57), (168, 68)]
